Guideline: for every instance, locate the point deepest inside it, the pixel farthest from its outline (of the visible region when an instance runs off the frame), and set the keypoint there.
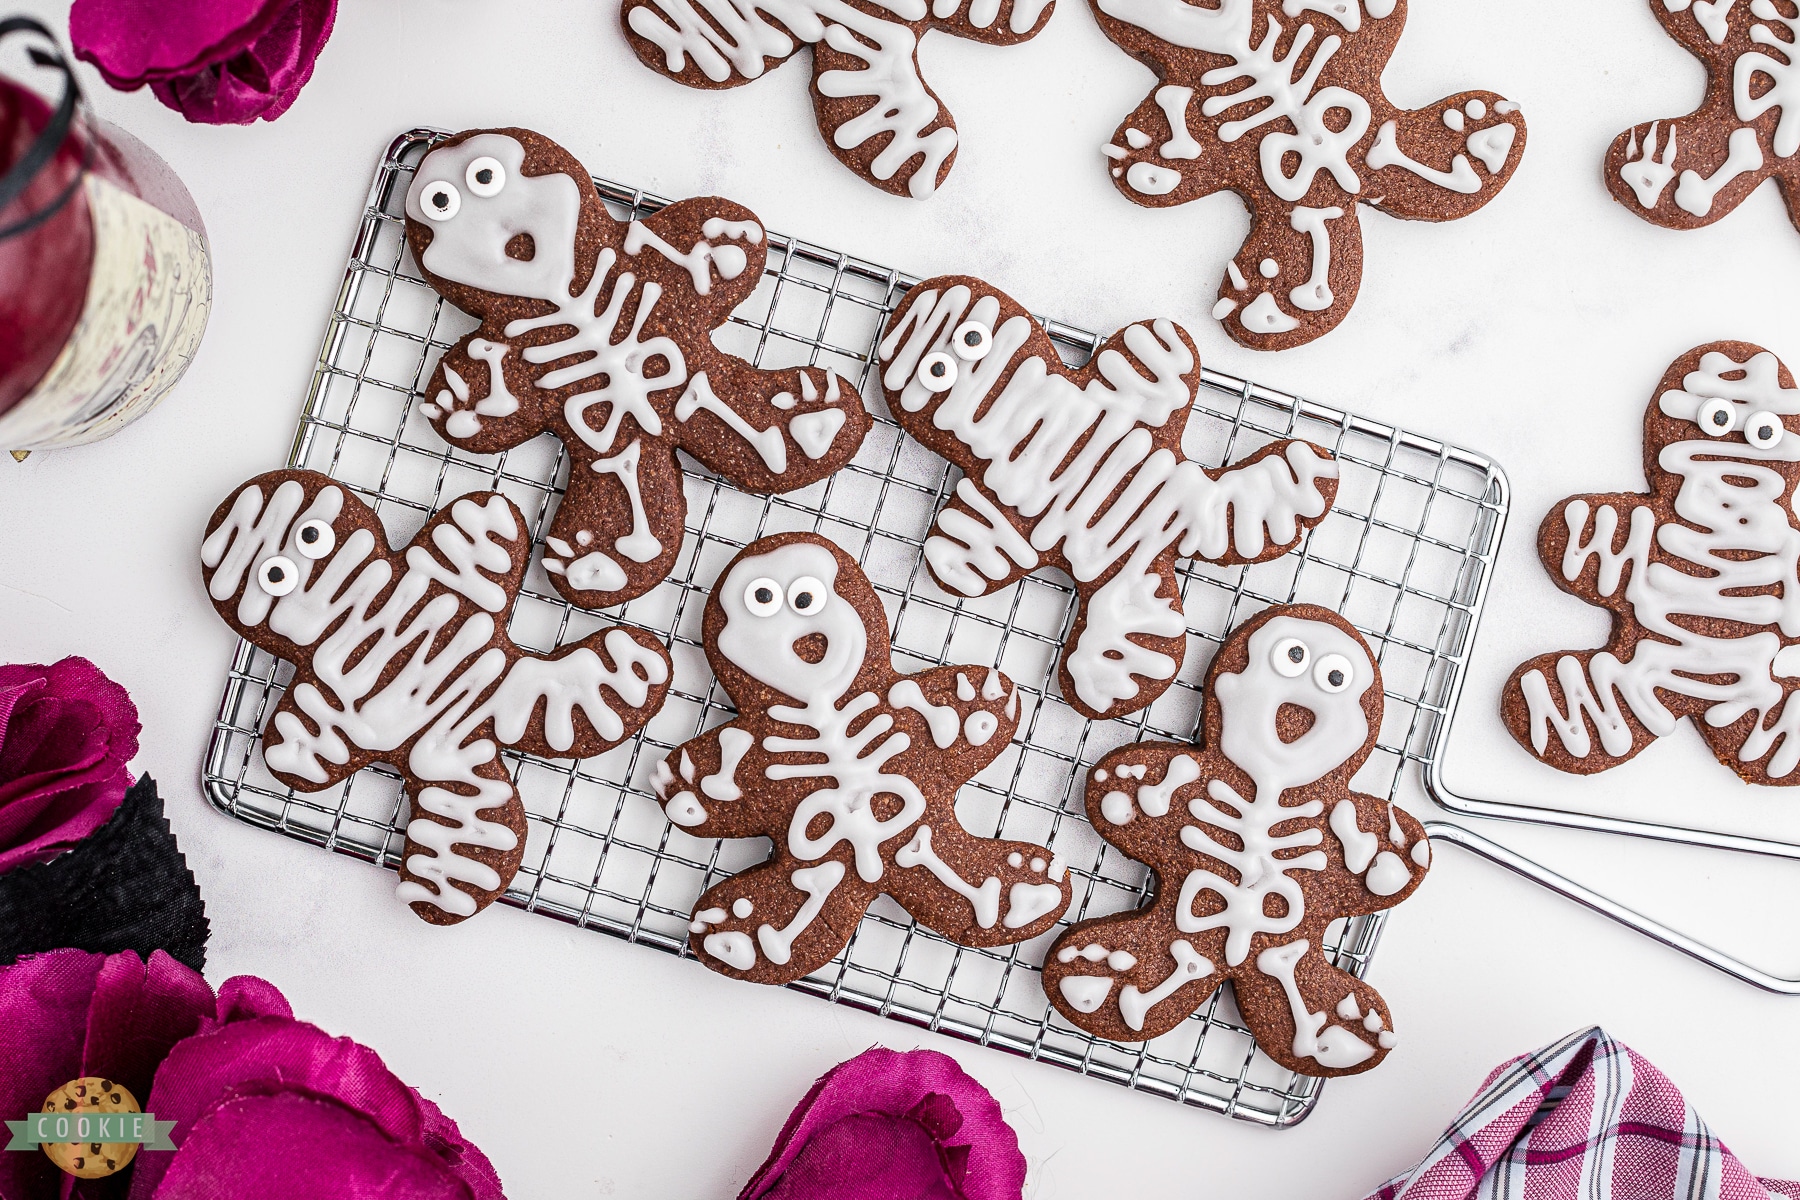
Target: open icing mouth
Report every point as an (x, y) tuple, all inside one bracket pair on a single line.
[(1292, 722), (812, 647)]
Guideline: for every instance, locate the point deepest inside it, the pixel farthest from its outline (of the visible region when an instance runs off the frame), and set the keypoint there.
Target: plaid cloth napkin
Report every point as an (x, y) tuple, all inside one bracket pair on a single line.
[(1585, 1118)]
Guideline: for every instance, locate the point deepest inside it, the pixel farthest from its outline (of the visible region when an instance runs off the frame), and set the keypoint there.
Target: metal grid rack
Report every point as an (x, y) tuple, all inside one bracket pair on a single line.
[(1405, 555)]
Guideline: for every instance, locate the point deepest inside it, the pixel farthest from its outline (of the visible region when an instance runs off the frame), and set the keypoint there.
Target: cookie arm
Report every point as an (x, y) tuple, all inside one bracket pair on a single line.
[(1156, 156), (1380, 847), (977, 891), (710, 785), (1445, 160), (482, 397), (975, 547), (768, 430), (1138, 797), (1593, 545), (681, 40), (1269, 501), (584, 699), (959, 719)]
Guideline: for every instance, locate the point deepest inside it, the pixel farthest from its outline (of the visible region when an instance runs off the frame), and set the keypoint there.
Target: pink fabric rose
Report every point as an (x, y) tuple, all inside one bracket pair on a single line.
[(264, 1105), (67, 735), (216, 62), (893, 1126)]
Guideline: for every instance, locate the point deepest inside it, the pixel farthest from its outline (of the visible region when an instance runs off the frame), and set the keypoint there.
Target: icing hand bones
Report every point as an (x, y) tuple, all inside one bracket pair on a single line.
[(873, 106), (1281, 102), (850, 768), (402, 657), (1746, 131), (1701, 575), (600, 331), (1258, 845), (1083, 469)]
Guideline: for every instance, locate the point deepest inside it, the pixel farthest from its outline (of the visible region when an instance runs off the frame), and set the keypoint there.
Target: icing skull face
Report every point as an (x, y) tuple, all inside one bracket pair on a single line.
[(477, 199), (787, 626), (1725, 398), (1309, 666)]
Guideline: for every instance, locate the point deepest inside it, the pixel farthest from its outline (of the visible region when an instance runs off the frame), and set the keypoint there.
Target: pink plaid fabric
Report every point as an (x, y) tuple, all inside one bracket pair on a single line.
[(1585, 1118)]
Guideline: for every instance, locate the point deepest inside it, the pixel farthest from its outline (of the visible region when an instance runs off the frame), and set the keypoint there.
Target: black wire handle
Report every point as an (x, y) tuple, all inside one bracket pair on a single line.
[(48, 142)]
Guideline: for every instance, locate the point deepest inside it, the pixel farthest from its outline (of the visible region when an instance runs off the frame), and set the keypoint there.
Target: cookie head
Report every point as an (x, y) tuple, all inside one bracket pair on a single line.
[(491, 225), (1737, 396), (278, 551), (1305, 701), (785, 623)]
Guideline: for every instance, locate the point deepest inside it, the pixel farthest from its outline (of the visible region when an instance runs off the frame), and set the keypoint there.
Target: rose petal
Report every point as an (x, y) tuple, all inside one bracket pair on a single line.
[(869, 1156), (134, 41), (290, 1145)]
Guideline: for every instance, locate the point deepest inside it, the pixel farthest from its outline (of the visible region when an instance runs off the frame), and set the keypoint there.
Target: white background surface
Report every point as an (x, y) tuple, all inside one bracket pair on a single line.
[(1534, 331)]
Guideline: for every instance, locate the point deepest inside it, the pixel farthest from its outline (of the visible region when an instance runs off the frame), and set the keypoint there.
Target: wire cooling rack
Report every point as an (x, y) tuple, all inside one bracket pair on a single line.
[(1405, 555)]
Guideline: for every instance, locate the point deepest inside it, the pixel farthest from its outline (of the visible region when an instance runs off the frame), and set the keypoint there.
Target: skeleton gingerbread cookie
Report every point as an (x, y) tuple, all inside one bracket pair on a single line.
[(1281, 102), (875, 110), (1747, 129), (1701, 575), (850, 767), (600, 332), (1257, 844), (402, 657), (1083, 470)]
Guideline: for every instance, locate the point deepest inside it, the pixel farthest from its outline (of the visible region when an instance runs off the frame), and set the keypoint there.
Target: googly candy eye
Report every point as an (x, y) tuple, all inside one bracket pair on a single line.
[(1717, 417), (763, 597), (1334, 673), (937, 372), (440, 200), (806, 595), (277, 575), (485, 176), (1763, 430), (315, 539), (972, 341), (1290, 657)]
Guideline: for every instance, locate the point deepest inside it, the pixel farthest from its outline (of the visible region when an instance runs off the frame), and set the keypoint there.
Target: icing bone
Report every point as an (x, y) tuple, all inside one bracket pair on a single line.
[(874, 108), (851, 769), (402, 657), (1281, 102), (1746, 130), (1258, 845), (1701, 575), (1083, 470), (600, 332)]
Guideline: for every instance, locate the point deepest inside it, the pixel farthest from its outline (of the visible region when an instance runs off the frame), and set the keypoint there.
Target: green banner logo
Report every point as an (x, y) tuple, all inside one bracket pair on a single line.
[(107, 1127)]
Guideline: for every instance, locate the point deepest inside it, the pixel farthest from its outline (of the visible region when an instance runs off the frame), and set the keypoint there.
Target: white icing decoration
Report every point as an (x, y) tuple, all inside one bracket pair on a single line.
[(1783, 73), (1648, 176), (1238, 282), (1224, 308), (940, 718), (1137, 139), (1264, 316), (1085, 993), (1315, 294), (699, 395), (818, 882), (640, 545), (704, 258), (1386, 152), (465, 422), (1118, 960), (733, 948), (742, 907), (1454, 119), (1151, 179), (1695, 193), (1389, 875), (980, 727), (965, 691), (815, 431), (1174, 99), (1421, 853), (1349, 1010), (1268, 268), (734, 743), (1492, 145), (983, 898), (1190, 965), (1476, 108), (1331, 1046), (1360, 846)]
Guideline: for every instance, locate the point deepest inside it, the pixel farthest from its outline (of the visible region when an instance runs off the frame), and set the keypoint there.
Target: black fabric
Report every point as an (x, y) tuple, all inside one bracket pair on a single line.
[(124, 887)]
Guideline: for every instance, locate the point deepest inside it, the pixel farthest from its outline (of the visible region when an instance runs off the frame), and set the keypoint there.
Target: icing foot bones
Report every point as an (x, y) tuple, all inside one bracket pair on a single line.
[(875, 109), (600, 332), (1746, 131), (1258, 844), (1280, 101), (1701, 575), (1083, 470), (850, 767), (402, 657)]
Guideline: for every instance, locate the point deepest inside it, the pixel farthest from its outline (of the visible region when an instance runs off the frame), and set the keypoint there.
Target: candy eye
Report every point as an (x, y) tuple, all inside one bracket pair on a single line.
[(485, 177), (937, 372), (1717, 417), (315, 539), (277, 575), (1763, 430), (763, 597), (1334, 673), (1290, 657), (972, 341), (806, 595), (440, 200)]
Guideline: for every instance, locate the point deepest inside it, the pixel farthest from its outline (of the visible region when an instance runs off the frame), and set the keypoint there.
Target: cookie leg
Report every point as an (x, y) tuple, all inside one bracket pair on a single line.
[(1130, 977), (778, 921), (1127, 643), (905, 148), (461, 850), (1311, 1017), (978, 891), (1296, 275), (618, 529)]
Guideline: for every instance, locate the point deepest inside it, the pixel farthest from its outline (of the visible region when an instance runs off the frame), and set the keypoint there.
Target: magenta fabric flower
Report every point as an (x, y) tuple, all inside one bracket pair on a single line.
[(893, 1126), (216, 62), (67, 735), (264, 1105)]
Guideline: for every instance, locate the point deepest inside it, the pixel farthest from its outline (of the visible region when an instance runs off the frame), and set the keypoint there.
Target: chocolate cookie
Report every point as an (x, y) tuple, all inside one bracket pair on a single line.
[(1699, 575), (1281, 102), (1257, 844), (850, 767), (1083, 470), (875, 109), (1745, 131), (402, 657), (600, 332)]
